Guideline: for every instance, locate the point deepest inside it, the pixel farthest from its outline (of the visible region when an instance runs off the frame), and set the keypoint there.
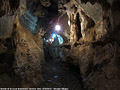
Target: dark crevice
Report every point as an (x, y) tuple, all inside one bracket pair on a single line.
[(79, 26)]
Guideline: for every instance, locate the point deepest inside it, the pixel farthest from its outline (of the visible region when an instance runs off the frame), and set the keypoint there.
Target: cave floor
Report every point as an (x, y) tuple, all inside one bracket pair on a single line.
[(59, 74)]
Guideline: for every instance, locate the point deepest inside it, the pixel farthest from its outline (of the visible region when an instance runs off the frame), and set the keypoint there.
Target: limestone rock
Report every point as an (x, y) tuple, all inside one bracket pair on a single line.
[(29, 58), (6, 26), (22, 7), (94, 11), (45, 3), (97, 54)]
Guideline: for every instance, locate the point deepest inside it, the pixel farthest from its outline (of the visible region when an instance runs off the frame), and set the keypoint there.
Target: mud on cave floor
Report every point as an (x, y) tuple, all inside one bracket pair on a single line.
[(59, 74)]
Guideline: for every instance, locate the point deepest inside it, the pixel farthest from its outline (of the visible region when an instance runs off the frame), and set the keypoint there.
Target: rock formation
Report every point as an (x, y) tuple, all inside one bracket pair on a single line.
[(96, 53), (20, 49)]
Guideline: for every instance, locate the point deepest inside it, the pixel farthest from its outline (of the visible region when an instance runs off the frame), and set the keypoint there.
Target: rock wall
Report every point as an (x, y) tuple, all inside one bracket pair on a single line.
[(29, 58), (21, 52), (96, 53), (99, 64)]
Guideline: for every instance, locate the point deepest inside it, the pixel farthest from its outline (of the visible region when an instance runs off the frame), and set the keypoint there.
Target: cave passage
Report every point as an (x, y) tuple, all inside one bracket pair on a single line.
[(60, 44), (58, 73)]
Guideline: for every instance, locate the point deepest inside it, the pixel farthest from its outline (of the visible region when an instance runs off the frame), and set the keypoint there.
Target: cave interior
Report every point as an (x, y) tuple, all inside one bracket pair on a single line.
[(60, 44)]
